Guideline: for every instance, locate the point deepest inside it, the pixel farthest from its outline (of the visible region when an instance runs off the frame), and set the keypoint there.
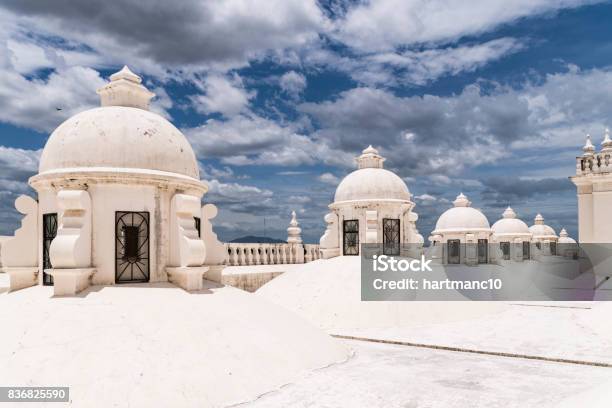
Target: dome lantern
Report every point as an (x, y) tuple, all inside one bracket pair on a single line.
[(538, 220), (509, 213), (370, 159), (125, 89), (462, 201)]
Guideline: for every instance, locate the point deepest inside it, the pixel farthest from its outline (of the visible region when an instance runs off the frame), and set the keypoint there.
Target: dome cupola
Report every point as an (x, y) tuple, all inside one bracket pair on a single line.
[(371, 182), (120, 136), (564, 237), (510, 225), (541, 230), (461, 218)]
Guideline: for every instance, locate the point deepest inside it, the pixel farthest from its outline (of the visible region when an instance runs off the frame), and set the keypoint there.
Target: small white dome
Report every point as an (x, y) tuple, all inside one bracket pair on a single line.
[(461, 217), (541, 230), (371, 184), (564, 238), (371, 181), (510, 225), (120, 134)]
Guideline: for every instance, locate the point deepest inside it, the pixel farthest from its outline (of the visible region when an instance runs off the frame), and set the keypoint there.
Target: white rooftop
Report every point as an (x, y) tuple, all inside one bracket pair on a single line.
[(156, 345)]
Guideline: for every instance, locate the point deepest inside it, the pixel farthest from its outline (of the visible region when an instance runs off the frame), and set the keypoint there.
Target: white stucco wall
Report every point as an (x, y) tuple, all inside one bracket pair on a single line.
[(390, 209)]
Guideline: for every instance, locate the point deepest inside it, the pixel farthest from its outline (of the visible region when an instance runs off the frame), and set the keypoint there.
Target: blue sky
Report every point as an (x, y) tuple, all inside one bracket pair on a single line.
[(491, 98)]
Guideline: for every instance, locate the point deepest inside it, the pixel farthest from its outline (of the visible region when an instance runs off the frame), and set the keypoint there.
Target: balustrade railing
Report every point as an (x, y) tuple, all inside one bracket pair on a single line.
[(239, 254)]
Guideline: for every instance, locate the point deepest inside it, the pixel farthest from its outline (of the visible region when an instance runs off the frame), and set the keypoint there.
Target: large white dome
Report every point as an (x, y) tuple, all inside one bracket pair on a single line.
[(461, 218), (122, 134), (371, 181), (119, 137), (510, 225), (370, 184)]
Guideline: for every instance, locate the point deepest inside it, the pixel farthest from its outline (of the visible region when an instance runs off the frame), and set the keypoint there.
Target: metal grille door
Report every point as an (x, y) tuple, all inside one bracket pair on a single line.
[(131, 246), (483, 250), (49, 233), (351, 237), (505, 247), (454, 251), (391, 236), (526, 250)]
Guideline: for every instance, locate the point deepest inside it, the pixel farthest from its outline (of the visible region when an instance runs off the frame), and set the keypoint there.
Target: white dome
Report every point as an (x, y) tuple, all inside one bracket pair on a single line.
[(461, 217), (119, 137), (541, 230), (370, 184), (120, 134), (510, 225), (564, 238), (371, 181)]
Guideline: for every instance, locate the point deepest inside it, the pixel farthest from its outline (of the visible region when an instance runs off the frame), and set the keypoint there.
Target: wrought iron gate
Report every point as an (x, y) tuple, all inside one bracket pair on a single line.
[(454, 251), (131, 246), (505, 248), (391, 236), (483, 251), (49, 233), (526, 250), (351, 237)]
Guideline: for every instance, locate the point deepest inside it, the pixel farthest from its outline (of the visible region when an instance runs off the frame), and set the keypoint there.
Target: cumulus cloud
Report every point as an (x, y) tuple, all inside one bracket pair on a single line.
[(329, 178), (483, 124), (420, 67), (292, 83), (225, 95), (248, 140), (212, 33), (413, 67), (508, 189), (16, 166), (238, 197), (383, 25), (42, 104)]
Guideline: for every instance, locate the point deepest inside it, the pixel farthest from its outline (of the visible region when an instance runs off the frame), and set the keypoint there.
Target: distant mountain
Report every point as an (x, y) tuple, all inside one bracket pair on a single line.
[(252, 239)]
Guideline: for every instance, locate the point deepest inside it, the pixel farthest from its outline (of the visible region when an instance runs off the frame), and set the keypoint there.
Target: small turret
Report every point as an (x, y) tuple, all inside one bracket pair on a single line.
[(606, 145), (294, 231), (588, 148)]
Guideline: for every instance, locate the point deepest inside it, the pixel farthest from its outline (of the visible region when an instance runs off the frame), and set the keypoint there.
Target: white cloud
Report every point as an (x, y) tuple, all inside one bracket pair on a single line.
[(253, 140), (425, 197), (222, 94), (329, 178), (420, 67), (34, 103), (383, 25), (293, 83), (472, 128), (210, 33), (16, 166)]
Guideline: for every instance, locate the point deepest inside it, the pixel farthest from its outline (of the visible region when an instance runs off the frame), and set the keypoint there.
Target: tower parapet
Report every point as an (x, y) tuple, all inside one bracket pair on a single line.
[(593, 181)]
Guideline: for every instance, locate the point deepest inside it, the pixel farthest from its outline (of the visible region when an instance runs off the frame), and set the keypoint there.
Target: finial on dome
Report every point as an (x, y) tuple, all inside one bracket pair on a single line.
[(370, 159), (563, 233), (539, 220), (588, 148), (462, 201), (509, 213), (607, 142), (294, 231), (369, 149), (125, 89)]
